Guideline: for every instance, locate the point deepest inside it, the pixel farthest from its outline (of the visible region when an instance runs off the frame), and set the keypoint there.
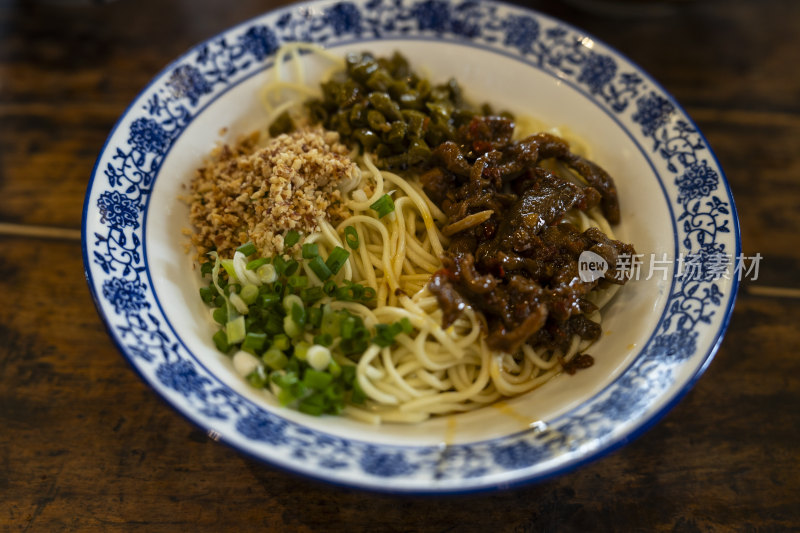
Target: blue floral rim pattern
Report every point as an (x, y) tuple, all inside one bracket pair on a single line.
[(691, 328)]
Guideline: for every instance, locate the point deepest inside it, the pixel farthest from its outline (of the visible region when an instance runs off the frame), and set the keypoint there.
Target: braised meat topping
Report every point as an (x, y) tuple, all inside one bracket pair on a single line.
[(512, 254)]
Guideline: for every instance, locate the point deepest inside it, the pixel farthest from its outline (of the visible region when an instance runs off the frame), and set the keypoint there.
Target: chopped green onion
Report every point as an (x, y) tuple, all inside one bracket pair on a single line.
[(281, 342), (235, 330), (285, 397), (291, 268), (291, 238), (284, 380), (220, 315), (289, 301), (348, 374), (274, 324), (358, 395), (249, 294), (278, 288), (269, 299), (361, 333), (323, 339), (383, 206), (353, 346), (406, 326), (310, 250), (335, 396), (247, 249), (318, 357), (244, 363), (256, 263), (311, 294), (301, 349), (275, 359), (258, 378), (358, 290), (220, 339), (292, 328), (368, 294), (329, 287), (348, 327), (386, 334), (337, 259), (331, 323), (279, 263), (334, 392), (382, 339), (299, 389), (206, 268), (294, 365), (252, 324), (267, 273), (314, 379), (306, 407), (315, 316), (318, 266), (227, 264), (254, 342), (207, 294), (334, 368), (315, 398), (238, 303), (297, 282), (351, 237), (345, 294), (299, 314)]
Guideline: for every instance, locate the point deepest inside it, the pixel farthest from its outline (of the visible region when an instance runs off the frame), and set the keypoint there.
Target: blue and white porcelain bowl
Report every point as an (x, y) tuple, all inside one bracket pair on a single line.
[(660, 333)]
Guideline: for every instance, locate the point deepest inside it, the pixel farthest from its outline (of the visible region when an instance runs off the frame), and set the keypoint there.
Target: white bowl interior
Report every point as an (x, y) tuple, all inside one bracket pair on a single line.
[(629, 320)]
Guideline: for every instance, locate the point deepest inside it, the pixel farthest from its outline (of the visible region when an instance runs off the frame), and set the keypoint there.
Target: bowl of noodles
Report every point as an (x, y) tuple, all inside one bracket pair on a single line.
[(419, 246)]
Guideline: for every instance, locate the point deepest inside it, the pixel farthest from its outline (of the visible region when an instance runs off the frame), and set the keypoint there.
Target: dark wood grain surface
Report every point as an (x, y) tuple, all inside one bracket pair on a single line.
[(86, 446)]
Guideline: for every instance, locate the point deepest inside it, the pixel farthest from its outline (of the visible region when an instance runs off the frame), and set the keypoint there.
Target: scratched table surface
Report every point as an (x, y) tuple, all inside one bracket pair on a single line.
[(86, 446)]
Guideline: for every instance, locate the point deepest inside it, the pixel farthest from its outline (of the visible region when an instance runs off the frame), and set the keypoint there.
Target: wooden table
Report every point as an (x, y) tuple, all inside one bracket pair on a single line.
[(86, 446)]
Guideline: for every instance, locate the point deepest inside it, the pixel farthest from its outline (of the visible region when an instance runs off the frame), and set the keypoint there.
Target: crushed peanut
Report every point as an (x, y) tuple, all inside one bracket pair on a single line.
[(250, 194)]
